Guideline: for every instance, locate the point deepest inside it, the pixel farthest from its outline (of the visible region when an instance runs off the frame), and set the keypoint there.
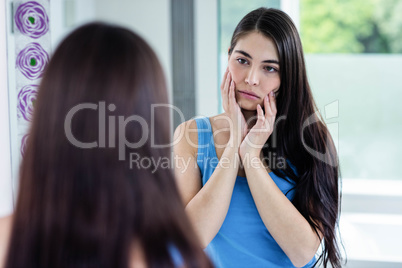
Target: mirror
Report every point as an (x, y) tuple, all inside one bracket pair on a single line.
[(39, 27)]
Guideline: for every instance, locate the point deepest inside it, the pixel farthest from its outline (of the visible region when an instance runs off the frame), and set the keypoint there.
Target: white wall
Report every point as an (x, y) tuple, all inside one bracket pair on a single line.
[(6, 203), (206, 57), (149, 18)]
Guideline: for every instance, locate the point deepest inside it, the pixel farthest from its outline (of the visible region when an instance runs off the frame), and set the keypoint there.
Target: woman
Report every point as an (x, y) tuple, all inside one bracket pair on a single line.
[(81, 202), (257, 185)]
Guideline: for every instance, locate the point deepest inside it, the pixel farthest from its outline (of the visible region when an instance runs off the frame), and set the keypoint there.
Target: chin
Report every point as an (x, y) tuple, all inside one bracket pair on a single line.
[(248, 106)]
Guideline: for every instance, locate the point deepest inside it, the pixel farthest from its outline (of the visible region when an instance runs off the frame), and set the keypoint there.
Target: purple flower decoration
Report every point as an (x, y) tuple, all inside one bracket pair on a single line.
[(31, 19), (24, 144), (26, 101), (32, 60)]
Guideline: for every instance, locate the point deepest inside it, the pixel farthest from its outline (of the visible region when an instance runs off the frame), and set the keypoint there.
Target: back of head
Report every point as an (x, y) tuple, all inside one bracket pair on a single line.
[(82, 202)]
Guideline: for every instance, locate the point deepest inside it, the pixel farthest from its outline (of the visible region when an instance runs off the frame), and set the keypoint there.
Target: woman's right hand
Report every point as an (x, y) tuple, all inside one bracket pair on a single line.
[(238, 125)]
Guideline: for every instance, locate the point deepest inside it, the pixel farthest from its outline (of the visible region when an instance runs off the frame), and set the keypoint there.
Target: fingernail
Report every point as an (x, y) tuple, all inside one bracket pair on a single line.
[(266, 97)]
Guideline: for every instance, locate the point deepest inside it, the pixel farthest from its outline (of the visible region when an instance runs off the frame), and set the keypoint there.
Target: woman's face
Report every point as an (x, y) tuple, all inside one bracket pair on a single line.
[(254, 66)]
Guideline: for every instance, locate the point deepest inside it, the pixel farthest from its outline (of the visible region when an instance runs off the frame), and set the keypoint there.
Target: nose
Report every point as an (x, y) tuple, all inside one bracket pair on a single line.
[(252, 77)]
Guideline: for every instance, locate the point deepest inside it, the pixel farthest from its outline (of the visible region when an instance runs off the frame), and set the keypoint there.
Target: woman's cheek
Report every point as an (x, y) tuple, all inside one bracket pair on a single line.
[(234, 71), (230, 65)]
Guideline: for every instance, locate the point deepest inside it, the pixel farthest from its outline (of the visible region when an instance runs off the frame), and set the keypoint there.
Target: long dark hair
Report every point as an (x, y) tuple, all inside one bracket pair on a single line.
[(300, 135), (85, 207)]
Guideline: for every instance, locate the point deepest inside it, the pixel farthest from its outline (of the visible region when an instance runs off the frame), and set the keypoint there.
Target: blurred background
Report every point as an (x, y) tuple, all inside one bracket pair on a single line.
[(353, 51)]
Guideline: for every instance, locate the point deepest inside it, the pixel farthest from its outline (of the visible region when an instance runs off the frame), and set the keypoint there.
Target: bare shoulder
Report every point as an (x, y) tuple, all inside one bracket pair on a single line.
[(221, 131), (185, 149), (5, 230), (220, 122), (186, 136)]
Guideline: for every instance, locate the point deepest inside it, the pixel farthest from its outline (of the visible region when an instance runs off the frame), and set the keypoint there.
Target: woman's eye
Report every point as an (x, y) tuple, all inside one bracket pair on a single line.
[(242, 61), (270, 69)]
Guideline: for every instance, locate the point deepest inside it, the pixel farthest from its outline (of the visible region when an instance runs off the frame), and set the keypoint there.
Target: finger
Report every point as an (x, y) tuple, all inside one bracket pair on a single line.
[(260, 116), (224, 77), (224, 91), (272, 105), (231, 92), (267, 107), (269, 115), (224, 88), (233, 97), (259, 124), (272, 100), (227, 82)]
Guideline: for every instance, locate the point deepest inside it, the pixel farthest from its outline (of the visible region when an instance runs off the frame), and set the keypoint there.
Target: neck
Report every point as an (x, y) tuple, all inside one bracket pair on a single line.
[(250, 116)]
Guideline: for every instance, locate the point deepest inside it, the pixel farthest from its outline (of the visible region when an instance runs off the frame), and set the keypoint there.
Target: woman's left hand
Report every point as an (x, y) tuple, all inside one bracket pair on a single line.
[(263, 128)]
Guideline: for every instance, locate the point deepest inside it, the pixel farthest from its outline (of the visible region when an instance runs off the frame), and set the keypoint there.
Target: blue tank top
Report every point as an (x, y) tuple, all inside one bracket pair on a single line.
[(243, 240)]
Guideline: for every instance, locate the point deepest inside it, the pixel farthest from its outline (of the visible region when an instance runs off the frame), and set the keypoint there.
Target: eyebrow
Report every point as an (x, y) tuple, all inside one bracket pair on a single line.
[(249, 56)]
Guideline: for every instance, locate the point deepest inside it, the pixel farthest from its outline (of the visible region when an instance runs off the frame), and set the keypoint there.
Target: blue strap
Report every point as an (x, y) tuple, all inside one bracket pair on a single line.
[(204, 130)]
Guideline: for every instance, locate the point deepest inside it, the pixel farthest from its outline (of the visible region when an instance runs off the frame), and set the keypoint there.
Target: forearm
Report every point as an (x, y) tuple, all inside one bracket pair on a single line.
[(285, 223), (208, 208)]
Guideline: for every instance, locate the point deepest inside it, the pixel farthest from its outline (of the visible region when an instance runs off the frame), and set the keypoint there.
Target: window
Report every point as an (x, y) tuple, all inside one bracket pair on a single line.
[(352, 58), (353, 55)]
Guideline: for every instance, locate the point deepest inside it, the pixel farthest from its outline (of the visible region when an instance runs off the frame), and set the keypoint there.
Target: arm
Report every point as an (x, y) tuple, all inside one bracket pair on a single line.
[(206, 206), (288, 227), (5, 233), (285, 223)]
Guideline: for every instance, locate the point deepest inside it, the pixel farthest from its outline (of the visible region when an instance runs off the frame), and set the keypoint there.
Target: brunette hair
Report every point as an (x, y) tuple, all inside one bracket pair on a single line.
[(82, 207), (300, 135)]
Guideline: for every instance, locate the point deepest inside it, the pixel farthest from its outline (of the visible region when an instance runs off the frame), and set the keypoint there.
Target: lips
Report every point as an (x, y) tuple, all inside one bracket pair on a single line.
[(248, 93)]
